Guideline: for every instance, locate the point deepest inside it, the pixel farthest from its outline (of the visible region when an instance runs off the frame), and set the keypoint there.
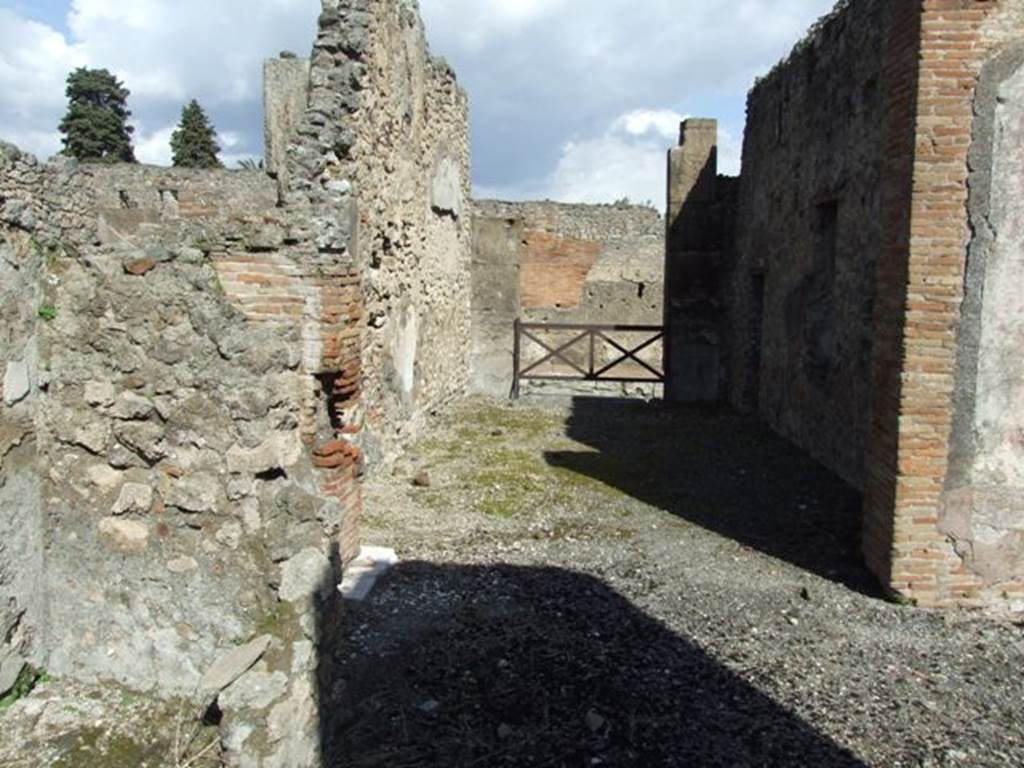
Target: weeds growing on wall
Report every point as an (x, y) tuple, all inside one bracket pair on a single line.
[(29, 679)]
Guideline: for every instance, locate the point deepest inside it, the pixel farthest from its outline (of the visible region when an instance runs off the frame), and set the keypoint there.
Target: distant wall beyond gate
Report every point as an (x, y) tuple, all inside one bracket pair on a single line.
[(557, 262)]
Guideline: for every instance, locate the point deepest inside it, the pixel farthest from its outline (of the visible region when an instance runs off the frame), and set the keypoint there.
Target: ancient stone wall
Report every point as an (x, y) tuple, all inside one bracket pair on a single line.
[(172, 465), (171, 475), (807, 238), (285, 97), (403, 141), (874, 301), (22, 601), (944, 519), (190, 381), (562, 263), (496, 302), (701, 213)]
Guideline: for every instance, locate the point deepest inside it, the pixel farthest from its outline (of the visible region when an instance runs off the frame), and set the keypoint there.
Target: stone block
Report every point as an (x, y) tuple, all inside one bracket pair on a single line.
[(17, 383), (306, 574), (126, 535), (135, 498), (233, 664)]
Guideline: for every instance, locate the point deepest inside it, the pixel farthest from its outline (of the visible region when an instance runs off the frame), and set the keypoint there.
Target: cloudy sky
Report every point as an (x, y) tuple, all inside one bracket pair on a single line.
[(571, 100)]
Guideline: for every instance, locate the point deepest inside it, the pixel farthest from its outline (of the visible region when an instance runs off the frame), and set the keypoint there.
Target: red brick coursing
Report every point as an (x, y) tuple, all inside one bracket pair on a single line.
[(271, 287), (934, 56)]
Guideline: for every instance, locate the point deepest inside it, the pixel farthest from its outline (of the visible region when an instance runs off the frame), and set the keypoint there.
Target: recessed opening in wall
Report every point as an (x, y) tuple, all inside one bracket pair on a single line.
[(756, 331), (819, 297), (272, 474), (826, 237), (332, 399)]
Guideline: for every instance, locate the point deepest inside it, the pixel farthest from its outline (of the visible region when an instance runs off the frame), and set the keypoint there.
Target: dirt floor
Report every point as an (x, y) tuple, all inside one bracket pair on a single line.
[(619, 583), (607, 583)]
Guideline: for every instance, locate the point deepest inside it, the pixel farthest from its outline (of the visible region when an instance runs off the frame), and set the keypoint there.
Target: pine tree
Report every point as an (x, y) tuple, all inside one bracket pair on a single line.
[(193, 143), (95, 126)]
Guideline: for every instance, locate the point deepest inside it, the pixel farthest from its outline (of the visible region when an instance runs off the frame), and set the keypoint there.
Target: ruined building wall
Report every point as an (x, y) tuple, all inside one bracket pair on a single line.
[(191, 385), (386, 136), (176, 499), (285, 97), (875, 304), (411, 159), (561, 263), (944, 511), (700, 223), (22, 601), (808, 234), (166, 474)]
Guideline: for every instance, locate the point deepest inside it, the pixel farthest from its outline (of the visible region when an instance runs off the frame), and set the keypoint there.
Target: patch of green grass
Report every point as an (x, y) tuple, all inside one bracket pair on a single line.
[(51, 251), (902, 600), (277, 620), (29, 679), (513, 421), (501, 506), (47, 312)]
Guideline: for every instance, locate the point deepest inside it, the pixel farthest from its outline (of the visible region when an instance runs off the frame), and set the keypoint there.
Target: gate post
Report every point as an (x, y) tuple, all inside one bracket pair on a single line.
[(516, 363)]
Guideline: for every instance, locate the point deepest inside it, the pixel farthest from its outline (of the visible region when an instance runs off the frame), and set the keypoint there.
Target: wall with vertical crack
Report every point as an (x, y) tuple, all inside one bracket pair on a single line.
[(983, 509)]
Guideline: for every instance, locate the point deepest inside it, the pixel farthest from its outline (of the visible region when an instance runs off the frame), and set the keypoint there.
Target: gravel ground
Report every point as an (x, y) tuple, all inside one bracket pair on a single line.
[(608, 583), (619, 583)]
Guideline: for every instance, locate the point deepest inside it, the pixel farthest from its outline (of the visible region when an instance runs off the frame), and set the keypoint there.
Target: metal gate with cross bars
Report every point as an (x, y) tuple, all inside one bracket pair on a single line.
[(578, 358)]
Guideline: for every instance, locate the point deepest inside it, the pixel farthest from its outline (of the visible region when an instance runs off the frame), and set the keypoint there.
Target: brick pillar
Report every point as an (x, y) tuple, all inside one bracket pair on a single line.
[(340, 381), (932, 61), (692, 262)]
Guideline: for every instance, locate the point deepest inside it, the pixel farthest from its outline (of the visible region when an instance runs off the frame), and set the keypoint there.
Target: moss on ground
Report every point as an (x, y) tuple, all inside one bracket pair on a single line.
[(505, 461)]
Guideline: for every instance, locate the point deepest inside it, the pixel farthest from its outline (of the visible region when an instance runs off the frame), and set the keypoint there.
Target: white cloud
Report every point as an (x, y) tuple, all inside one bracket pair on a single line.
[(153, 147), (482, 23), (572, 67), (229, 139), (664, 123), (547, 78), (165, 51), (181, 49), (628, 159), (34, 62)]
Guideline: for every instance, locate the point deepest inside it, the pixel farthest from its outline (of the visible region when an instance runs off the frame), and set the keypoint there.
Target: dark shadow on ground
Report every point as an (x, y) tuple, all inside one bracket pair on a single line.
[(725, 472), (462, 666)]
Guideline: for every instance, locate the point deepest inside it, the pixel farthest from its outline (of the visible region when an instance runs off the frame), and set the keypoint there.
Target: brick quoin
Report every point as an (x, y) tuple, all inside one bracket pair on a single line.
[(932, 62), (269, 287)]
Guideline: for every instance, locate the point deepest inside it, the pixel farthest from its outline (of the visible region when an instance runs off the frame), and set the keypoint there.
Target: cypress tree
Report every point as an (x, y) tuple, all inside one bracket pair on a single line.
[(95, 126), (193, 143)]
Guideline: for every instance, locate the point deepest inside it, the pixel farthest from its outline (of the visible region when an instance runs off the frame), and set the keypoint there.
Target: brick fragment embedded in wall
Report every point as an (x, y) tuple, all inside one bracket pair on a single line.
[(554, 269), (340, 465)]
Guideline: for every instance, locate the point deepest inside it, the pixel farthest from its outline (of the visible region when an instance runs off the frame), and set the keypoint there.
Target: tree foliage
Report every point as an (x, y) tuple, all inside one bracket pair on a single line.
[(95, 126), (193, 143)]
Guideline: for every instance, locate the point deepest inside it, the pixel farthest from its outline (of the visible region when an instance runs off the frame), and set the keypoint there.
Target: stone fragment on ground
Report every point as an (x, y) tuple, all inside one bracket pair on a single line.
[(233, 665), (362, 574)]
